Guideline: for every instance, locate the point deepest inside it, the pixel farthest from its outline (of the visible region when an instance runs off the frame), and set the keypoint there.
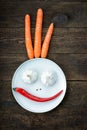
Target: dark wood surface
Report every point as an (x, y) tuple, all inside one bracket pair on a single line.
[(68, 49)]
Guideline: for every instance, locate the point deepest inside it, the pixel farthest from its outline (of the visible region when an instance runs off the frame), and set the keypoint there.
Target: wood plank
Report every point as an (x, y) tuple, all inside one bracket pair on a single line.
[(78, 98), (71, 113), (42, 1), (74, 65), (76, 11), (64, 40), (68, 49)]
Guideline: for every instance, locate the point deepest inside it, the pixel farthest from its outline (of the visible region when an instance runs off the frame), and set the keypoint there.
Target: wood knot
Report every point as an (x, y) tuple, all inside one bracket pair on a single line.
[(60, 20)]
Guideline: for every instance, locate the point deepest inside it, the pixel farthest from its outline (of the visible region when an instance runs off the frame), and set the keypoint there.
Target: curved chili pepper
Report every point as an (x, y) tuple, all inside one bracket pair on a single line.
[(34, 98)]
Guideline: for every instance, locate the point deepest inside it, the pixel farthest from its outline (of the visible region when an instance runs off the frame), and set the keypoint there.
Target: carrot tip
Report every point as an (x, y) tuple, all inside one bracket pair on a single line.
[(39, 9), (27, 15), (52, 24)]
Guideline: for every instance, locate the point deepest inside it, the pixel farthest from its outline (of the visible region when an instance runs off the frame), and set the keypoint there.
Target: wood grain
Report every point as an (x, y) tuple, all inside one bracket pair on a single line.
[(73, 96), (66, 113), (74, 65), (9, 14), (68, 49), (64, 40)]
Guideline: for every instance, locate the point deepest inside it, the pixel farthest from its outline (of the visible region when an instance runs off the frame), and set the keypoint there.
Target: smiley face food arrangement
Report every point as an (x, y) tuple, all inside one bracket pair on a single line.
[(39, 84)]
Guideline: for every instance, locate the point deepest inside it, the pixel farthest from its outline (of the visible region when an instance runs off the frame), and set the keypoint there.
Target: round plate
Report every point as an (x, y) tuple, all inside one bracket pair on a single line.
[(40, 65)]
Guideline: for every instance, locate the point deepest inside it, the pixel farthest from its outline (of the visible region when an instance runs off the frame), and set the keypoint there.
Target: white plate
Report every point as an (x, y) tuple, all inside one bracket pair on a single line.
[(40, 65)]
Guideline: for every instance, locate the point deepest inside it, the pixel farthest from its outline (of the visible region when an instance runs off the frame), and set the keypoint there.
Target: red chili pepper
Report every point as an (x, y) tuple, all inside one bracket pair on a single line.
[(34, 98)]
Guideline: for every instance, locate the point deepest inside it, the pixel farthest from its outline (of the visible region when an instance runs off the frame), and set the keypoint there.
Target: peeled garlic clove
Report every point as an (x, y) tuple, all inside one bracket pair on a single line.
[(29, 76), (49, 78)]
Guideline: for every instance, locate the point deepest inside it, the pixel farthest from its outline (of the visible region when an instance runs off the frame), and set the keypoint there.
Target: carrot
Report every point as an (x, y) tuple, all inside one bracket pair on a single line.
[(46, 42), (38, 33), (28, 41)]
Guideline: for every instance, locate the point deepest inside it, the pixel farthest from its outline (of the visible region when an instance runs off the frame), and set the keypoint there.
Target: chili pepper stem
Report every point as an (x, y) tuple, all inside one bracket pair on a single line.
[(14, 89)]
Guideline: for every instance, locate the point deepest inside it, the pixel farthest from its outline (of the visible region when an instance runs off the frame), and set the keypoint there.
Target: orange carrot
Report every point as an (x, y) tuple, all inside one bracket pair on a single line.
[(38, 33), (46, 42), (28, 41)]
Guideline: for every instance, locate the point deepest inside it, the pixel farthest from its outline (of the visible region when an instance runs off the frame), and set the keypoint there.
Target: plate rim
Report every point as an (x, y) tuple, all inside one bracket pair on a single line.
[(45, 111)]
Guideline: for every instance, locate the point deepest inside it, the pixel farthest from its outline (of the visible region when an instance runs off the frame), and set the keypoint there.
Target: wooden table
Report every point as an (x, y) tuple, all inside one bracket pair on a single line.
[(68, 49)]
